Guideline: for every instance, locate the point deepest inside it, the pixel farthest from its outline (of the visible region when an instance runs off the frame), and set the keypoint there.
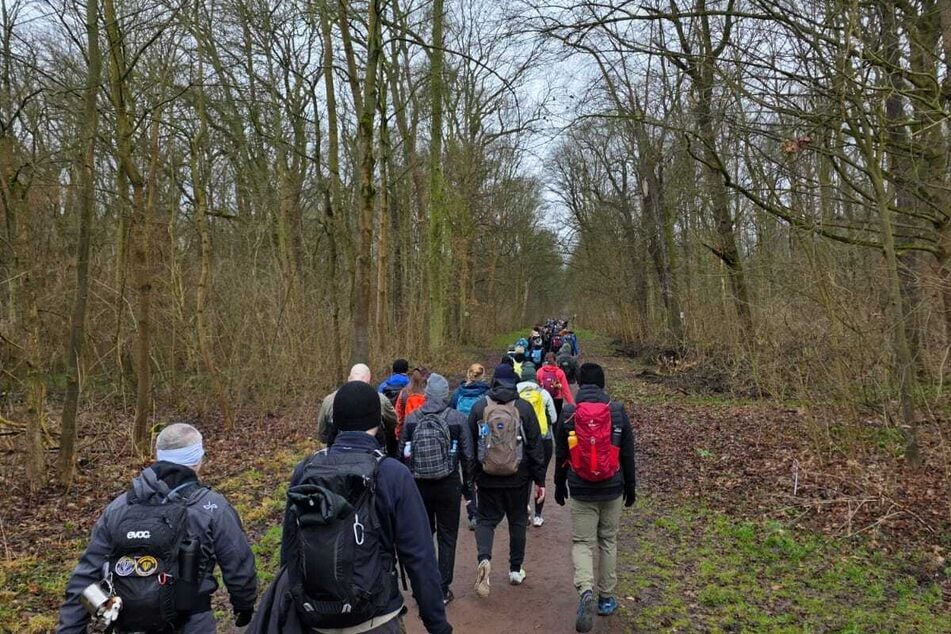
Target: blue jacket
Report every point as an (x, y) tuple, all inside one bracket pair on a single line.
[(474, 388), (209, 518), (398, 381), (405, 530)]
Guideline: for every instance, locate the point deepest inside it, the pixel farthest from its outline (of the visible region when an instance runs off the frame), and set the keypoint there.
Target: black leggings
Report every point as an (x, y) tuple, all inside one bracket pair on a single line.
[(549, 446)]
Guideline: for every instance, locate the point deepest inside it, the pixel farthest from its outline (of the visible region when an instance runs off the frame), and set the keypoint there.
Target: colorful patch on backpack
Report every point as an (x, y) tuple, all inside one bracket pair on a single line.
[(125, 566), (145, 566), (500, 426)]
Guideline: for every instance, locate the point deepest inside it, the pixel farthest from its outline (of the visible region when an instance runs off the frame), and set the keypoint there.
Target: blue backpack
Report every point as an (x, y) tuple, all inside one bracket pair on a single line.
[(469, 395)]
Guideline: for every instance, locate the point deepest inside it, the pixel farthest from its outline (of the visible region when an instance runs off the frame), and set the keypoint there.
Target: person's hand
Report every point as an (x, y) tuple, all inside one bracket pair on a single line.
[(630, 494), (561, 494), (466, 491), (539, 493), (243, 617)]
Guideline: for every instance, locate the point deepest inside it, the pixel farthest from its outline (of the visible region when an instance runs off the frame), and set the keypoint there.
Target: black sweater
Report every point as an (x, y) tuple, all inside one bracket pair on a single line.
[(622, 480)]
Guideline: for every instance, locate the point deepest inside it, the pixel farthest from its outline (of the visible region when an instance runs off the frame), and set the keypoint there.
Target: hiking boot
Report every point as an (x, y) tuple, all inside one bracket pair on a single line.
[(482, 578), (516, 577), (607, 606), (585, 620), (538, 521), (449, 596)]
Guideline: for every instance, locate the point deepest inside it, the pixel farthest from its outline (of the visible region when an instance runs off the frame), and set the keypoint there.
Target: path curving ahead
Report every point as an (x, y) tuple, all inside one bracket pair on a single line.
[(544, 603)]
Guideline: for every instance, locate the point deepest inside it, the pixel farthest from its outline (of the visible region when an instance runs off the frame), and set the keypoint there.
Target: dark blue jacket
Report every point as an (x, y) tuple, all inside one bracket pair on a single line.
[(210, 519), (405, 529)]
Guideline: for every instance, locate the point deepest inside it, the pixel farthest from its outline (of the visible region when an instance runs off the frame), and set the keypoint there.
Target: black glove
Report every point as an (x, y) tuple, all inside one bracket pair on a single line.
[(242, 617), (561, 493), (466, 491), (630, 494)]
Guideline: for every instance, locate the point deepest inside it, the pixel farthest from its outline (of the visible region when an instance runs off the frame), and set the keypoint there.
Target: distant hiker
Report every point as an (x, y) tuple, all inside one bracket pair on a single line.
[(325, 418), (594, 464), (158, 543), (509, 457), (437, 447), (554, 381), (541, 401), (411, 397), (350, 513), (572, 339), (394, 383), (518, 360), (463, 399), (567, 363)]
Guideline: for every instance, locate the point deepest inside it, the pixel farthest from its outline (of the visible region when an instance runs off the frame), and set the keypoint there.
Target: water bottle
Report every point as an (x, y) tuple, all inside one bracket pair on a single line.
[(408, 449), (454, 449)]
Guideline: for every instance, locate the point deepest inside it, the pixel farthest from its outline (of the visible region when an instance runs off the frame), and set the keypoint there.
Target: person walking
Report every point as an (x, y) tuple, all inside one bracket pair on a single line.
[(326, 432), (351, 512), (399, 379), (594, 465), (463, 399), (437, 447), (510, 457), (555, 382), (411, 397), (544, 407), (168, 525)]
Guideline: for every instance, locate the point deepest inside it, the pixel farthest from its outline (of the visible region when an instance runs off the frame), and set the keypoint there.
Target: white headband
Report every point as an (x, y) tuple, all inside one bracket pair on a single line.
[(188, 456)]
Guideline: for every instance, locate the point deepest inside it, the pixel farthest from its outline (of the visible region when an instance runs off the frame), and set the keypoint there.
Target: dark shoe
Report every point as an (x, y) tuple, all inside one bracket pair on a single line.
[(607, 606), (585, 620), (446, 600)]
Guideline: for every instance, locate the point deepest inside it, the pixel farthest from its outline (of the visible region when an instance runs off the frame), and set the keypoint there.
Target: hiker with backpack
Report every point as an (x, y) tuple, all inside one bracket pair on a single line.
[(544, 407), (567, 363), (463, 399), (156, 546), (509, 458), (394, 383), (411, 397), (351, 513), (326, 432), (594, 465), (554, 381), (437, 447)]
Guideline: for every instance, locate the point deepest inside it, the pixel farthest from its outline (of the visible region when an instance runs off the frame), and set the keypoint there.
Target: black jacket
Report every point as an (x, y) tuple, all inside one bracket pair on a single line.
[(533, 461), (210, 519), (623, 479)]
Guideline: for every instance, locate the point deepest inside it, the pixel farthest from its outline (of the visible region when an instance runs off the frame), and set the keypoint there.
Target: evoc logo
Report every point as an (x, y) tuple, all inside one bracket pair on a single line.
[(138, 535)]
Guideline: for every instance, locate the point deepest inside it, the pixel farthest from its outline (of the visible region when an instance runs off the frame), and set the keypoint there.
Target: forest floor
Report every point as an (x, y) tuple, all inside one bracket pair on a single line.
[(745, 521)]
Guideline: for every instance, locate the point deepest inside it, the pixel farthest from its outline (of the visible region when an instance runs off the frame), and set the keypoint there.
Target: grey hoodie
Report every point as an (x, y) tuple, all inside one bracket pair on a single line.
[(211, 519)]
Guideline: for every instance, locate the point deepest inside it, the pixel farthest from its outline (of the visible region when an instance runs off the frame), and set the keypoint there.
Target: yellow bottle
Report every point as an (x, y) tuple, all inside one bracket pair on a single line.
[(572, 439)]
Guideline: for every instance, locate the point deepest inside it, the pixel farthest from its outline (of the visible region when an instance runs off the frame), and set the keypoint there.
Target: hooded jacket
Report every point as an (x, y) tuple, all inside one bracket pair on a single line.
[(210, 519), (532, 467), (609, 489), (394, 381), (472, 388), (405, 530), (547, 402), (564, 391), (458, 430)]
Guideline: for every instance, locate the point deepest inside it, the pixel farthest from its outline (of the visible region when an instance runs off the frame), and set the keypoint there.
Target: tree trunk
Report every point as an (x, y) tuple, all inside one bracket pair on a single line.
[(87, 204), (436, 242)]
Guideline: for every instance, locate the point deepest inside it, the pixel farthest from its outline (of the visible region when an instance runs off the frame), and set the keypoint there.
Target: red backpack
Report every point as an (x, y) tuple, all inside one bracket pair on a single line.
[(406, 404), (593, 455)]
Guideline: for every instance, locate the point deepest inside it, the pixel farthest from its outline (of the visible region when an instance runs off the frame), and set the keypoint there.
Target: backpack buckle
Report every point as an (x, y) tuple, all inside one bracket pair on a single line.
[(163, 578)]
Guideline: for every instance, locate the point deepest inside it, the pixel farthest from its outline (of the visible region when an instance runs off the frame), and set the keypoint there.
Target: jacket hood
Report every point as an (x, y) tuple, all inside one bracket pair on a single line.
[(355, 441), (155, 482), (503, 393), (395, 380), (476, 388), (590, 393)]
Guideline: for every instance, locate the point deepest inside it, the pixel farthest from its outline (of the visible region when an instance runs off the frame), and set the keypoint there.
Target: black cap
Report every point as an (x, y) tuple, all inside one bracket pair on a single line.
[(356, 407), (591, 374)]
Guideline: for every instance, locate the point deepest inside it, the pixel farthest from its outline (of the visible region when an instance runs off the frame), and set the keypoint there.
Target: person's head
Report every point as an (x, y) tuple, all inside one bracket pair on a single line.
[(417, 380), (507, 360), (475, 372), (504, 376), (591, 374), (437, 389), (180, 443), (519, 357), (400, 366), (360, 372), (550, 358), (357, 408), (529, 373)]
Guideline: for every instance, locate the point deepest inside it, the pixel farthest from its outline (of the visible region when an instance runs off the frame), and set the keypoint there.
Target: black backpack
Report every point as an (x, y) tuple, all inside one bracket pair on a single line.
[(432, 457), (338, 571), (392, 392), (144, 563)]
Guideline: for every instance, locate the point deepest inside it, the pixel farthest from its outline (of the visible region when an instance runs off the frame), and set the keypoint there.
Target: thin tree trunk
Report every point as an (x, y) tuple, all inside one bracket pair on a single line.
[(436, 243), (87, 202)]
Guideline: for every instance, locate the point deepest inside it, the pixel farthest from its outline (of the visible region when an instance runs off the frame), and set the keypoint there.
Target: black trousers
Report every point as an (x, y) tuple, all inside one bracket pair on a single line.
[(494, 504), (549, 445), (441, 498)]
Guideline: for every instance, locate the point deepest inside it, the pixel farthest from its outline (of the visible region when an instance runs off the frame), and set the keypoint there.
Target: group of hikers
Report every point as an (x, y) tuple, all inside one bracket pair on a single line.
[(361, 513)]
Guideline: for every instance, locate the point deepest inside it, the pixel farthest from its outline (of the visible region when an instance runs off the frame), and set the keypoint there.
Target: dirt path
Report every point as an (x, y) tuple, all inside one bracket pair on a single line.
[(546, 602)]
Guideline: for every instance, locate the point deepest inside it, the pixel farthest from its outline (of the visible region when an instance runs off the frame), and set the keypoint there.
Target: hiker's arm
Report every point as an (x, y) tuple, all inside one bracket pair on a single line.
[(414, 546), (627, 454), (389, 427), (534, 443), (467, 449), (234, 557), (550, 409), (73, 617), (323, 420), (290, 527), (566, 391), (561, 451), (454, 399)]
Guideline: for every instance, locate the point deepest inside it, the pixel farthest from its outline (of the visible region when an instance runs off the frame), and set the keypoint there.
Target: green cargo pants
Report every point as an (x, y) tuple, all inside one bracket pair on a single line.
[(595, 523)]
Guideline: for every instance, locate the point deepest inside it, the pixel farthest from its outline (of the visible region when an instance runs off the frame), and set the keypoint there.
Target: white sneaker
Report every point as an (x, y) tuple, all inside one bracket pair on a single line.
[(538, 521), (516, 578), (482, 578)]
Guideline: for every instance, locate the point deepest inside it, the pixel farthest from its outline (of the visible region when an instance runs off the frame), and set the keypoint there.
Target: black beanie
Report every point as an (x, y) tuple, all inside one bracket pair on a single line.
[(591, 374), (400, 366), (356, 407)]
